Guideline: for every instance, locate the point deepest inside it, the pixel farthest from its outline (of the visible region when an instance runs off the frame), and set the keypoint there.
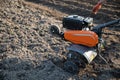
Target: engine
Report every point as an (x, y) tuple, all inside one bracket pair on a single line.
[(75, 22)]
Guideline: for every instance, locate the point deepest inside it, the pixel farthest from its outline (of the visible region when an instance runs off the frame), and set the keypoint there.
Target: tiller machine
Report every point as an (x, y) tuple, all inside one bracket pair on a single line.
[(87, 40)]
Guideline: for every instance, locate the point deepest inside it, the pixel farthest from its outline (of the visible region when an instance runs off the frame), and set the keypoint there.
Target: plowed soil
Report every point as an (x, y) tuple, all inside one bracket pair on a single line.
[(29, 52)]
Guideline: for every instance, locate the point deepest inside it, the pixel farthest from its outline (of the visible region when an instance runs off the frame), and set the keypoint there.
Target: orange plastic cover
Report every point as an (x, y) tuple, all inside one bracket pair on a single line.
[(87, 38)]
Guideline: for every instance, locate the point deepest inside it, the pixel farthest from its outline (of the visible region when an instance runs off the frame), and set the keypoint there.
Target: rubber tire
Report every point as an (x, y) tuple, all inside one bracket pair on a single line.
[(54, 30)]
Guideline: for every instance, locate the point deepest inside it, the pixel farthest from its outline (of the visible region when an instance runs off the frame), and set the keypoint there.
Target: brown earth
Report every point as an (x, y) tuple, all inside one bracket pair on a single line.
[(27, 49)]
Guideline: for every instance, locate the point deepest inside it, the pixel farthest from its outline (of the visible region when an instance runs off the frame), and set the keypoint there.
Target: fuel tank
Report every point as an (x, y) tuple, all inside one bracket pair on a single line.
[(87, 38)]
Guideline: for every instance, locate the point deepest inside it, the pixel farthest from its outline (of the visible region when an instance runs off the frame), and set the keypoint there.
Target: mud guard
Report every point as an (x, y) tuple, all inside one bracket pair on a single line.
[(88, 52)]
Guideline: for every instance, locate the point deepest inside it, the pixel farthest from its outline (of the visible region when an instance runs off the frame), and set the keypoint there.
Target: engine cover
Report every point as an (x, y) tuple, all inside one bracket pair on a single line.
[(76, 22), (87, 38)]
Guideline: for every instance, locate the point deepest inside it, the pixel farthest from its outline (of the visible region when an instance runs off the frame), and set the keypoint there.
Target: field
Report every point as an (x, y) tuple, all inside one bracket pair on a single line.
[(29, 52)]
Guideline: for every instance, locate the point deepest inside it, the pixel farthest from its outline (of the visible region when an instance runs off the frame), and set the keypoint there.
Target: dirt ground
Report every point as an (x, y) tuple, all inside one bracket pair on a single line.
[(29, 52)]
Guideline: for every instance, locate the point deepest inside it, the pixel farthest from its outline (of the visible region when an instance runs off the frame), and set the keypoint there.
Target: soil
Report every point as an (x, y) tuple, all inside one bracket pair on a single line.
[(29, 52)]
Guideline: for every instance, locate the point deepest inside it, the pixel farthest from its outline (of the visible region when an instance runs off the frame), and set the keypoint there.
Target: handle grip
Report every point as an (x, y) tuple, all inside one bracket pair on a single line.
[(96, 8)]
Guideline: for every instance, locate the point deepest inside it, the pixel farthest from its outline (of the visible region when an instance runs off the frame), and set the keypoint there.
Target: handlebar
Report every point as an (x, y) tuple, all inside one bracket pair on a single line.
[(98, 29)]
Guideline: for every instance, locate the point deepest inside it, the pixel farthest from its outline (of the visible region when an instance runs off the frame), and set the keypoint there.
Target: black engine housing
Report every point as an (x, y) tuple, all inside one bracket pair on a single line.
[(75, 22)]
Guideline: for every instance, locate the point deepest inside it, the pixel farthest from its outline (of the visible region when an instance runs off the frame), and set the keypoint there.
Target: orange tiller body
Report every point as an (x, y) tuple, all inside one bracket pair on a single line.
[(87, 38)]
